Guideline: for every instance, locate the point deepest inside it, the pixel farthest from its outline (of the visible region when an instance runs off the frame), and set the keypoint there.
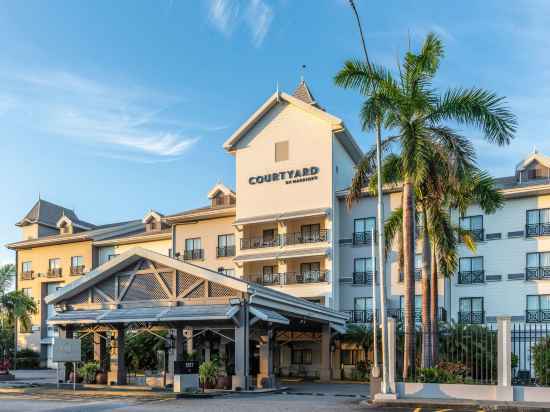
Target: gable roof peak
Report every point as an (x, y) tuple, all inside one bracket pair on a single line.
[(303, 93)]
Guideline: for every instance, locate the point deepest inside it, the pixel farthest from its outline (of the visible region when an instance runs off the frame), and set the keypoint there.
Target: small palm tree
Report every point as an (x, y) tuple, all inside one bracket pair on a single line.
[(18, 307), (7, 274)]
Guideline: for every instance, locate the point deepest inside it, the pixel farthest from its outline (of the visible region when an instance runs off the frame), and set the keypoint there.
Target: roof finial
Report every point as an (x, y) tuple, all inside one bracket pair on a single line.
[(39, 196), (535, 151), (302, 73), (277, 90)]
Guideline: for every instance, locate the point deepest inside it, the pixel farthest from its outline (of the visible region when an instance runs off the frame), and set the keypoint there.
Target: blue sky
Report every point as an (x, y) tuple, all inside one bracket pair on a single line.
[(113, 108)]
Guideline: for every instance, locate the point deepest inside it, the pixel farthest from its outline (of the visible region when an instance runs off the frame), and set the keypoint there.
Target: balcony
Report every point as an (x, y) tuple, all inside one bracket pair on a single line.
[(363, 278), (399, 314), (28, 275), (360, 316), (289, 278), (77, 270), (476, 234), (537, 229), (225, 251), (537, 315), (259, 242), (417, 275), (471, 277), (300, 238), (472, 317), (193, 254), (537, 273), (54, 273), (362, 238)]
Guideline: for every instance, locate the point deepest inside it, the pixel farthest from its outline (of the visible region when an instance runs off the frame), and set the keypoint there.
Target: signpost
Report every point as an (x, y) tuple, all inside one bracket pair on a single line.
[(66, 350)]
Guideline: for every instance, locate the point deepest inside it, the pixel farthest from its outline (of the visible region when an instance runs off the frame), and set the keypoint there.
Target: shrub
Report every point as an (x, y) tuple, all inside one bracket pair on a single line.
[(208, 373), (88, 371), (28, 359), (456, 369), (541, 360)]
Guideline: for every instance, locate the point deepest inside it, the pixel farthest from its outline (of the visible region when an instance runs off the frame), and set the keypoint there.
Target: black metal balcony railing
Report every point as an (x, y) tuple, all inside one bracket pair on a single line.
[(537, 273), (417, 275), (364, 278), (362, 238), (365, 315), (77, 270), (472, 317), (476, 234), (193, 254), (259, 242), (298, 238), (361, 315), (537, 229), (28, 275), (470, 277), (537, 315), (225, 251), (289, 278), (54, 273)]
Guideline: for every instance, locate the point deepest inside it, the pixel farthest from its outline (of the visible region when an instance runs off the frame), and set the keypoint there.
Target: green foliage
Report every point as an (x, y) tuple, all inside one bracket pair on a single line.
[(141, 351), (514, 360), (88, 371), (7, 275), (540, 354), (17, 305), (208, 372), (28, 359), (361, 335)]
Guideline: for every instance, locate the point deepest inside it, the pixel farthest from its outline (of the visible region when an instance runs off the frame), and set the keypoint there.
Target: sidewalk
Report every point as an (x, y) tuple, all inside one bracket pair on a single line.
[(459, 404)]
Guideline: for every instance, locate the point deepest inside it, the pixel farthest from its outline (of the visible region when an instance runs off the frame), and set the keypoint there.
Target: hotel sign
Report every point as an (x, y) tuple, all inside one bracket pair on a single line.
[(305, 174)]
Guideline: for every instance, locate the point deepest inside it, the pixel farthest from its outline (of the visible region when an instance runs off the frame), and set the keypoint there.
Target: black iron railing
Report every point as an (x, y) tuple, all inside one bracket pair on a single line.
[(225, 251), (537, 229), (28, 275), (472, 317), (361, 315), (537, 315), (362, 238), (54, 273), (289, 278), (537, 273), (365, 316), (476, 234), (259, 242), (298, 238), (417, 275), (77, 270), (471, 277), (363, 278), (193, 254)]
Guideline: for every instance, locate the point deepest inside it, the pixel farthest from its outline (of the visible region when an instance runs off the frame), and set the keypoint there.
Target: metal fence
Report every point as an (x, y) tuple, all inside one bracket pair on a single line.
[(466, 354), (531, 354)]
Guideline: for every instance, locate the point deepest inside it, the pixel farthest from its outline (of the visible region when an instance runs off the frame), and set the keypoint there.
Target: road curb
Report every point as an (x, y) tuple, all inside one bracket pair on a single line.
[(458, 404)]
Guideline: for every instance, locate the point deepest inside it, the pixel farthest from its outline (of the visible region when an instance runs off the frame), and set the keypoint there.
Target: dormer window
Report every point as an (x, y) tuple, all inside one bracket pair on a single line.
[(152, 221), (221, 196), (65, 225), (535, 167)]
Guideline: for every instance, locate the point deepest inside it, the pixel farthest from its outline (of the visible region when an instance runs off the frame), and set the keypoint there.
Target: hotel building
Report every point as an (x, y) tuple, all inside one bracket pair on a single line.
[(287, 227)]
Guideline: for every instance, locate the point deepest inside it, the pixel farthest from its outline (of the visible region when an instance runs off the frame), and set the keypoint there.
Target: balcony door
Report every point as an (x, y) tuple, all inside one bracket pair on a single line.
[(269, 237), (310, 233), (471, 310), (538, 308), (310, 272)]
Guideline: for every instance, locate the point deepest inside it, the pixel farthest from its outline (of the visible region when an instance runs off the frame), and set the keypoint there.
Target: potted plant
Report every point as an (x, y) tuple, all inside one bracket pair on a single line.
[(89, 372), (208, 373), (224, 381)]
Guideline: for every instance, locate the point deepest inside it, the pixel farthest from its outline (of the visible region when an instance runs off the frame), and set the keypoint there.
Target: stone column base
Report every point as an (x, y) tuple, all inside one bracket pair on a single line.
[(324, 375), (240, 381), (266, 381)]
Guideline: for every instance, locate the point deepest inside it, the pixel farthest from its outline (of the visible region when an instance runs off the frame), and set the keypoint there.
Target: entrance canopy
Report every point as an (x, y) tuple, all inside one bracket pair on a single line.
[(145, 287)]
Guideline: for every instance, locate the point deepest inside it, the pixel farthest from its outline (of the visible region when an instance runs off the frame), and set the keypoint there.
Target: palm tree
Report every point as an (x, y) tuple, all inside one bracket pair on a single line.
[(7, 273), (415, 109)]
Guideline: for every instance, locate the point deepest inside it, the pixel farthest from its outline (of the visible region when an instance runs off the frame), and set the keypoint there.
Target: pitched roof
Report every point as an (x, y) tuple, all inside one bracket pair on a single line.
[(303, 93), (48, 214), (535, 156)]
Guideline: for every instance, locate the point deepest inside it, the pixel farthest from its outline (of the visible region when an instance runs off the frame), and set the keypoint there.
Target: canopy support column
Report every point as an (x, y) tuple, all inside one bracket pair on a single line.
[(117, 374), (241, 378), (324, 375), (179, 344), (266, 378), (100, 349)]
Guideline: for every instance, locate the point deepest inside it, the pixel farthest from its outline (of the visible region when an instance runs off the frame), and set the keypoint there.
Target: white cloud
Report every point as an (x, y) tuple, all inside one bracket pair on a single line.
[(127, 122), (226, 15)]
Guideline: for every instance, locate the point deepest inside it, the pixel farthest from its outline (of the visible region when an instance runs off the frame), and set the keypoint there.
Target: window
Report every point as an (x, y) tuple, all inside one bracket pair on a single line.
[(362, 271), (193, 249), (417, 307), (26, 266), (281, 151), (77, 261), (363, 229), (418, 267), (27, 292), (538, 223), (269, 276), (226, 245), (538, 266), (269, 237), (311, 233), (54, 264), (473, 225), (471, 310), (114, 255), (352, 356), (310, 272), (471, 270), (301, 356), (538, 308)]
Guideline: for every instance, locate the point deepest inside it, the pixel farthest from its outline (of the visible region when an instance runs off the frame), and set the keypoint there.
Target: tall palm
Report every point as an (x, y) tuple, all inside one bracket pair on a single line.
[(416, 110), (7, 273), (18, 307)]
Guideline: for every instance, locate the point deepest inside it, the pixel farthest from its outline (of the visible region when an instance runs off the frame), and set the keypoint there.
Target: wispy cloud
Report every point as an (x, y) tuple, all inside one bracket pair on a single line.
[(255, 15), (125, 122)]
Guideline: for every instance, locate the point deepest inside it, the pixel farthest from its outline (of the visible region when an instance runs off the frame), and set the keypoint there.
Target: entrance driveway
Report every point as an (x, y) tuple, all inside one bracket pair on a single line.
[(28, 376), (333, 389)]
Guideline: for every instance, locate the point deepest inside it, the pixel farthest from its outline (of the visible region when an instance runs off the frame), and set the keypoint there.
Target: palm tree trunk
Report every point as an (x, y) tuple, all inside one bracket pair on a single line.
[(408, 274), (433, 309), (426, 361)]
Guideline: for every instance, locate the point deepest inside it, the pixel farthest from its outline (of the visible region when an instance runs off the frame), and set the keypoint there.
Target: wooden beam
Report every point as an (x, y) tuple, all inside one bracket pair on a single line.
[(103, 294), (191, 288)]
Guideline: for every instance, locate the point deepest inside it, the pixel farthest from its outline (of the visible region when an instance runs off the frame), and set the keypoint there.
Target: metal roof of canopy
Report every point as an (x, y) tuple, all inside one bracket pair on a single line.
[(270, 304)]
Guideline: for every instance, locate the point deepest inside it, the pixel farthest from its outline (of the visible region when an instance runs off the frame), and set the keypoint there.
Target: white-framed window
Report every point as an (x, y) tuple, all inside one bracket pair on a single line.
[(26, 266), (77, 261), (54, 263)]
